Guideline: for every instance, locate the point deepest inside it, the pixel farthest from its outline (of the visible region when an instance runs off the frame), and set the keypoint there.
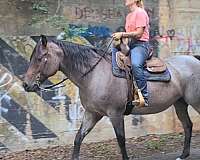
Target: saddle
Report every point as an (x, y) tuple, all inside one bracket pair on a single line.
[(152, 65)]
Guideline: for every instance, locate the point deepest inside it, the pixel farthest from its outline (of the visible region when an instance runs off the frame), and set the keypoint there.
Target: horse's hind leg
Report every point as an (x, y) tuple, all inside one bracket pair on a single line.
[(88, 122), (182, 112), (118, 125)]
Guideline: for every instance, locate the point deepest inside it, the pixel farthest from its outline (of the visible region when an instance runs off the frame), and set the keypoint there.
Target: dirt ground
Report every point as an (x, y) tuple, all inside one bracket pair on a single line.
[(108, 150)]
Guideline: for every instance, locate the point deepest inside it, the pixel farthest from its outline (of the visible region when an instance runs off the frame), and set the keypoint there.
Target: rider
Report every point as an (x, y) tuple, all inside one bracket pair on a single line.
[(137, 28)]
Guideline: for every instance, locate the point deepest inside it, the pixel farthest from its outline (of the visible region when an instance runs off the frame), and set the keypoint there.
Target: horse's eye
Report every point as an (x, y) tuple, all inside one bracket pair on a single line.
[(42, 56)]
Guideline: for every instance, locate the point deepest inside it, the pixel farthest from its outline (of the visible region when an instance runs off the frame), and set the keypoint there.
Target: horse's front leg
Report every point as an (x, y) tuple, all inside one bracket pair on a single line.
[(88, 122), (118, 125)]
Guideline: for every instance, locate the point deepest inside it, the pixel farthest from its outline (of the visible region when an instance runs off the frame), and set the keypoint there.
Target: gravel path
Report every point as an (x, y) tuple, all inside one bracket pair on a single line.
[(153, 147), (195, 155)]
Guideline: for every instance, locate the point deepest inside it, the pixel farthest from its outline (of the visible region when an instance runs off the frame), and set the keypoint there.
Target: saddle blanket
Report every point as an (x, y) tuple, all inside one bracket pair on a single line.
[(162, 77)]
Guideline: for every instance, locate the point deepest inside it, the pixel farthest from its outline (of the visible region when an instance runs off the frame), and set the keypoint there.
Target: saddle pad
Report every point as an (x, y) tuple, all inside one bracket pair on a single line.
[(162, 77)]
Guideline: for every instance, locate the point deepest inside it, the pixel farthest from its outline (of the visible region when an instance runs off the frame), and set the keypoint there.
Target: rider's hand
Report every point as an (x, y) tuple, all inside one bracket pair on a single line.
[(117, 35)]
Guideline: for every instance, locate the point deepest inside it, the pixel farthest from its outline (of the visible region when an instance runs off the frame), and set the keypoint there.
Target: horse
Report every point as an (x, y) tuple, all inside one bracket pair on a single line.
[(103, 94)]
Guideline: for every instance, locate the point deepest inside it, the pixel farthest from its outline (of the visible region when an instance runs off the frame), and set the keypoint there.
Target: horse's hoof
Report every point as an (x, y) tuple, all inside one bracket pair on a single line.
[(179, 159)]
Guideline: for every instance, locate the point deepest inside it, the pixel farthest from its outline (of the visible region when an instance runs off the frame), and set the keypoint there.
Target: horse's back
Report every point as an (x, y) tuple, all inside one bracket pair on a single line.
[(183, 59), (184, 64)]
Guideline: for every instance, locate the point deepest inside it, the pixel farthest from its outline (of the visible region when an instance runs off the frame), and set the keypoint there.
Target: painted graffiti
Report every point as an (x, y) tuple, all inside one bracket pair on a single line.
[(183, 44), (5, 79), (86, 35), (95, 35), (97, 13)]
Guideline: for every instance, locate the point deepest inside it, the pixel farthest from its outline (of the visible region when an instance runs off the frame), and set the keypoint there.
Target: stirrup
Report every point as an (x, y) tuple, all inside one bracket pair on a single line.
[(138, 99)]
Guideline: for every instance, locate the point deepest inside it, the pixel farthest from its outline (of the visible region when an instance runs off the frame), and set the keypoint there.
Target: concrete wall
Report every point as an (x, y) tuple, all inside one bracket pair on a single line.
[(30, 17), (30, 120)]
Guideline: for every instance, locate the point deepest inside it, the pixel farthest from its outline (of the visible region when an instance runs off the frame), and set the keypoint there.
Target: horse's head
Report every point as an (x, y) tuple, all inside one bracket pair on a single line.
[(45, 61)]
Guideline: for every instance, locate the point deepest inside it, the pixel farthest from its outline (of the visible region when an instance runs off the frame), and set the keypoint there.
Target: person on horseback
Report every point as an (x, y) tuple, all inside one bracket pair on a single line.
[(137, 29)]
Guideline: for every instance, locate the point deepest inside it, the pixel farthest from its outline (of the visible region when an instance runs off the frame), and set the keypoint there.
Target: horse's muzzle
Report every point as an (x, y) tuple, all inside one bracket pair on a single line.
[(30, 88)]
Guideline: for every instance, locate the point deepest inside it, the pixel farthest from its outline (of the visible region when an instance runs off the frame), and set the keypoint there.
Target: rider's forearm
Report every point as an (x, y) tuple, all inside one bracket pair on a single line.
[(136, 35)]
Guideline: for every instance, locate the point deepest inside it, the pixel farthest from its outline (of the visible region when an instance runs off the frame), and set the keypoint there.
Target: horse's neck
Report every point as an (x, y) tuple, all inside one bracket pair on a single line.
[(78, 66), (72, 73)]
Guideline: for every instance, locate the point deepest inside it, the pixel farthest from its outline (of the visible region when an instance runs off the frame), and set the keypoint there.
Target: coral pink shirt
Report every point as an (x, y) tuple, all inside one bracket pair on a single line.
[(136, 19)]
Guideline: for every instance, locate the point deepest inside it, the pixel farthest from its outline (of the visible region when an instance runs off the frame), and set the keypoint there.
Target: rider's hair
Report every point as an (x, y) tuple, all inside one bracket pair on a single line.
[(139, 3)]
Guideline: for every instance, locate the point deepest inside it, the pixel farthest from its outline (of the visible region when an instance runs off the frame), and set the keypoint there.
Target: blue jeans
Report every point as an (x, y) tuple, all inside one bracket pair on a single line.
[(139, 54)]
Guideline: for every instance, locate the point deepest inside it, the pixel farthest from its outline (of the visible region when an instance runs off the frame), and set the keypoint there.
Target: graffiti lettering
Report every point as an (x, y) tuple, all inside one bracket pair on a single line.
[(97, 13)]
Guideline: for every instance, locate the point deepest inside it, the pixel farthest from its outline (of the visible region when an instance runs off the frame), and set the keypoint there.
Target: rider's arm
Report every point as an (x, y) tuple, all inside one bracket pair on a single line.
[(137, 34)]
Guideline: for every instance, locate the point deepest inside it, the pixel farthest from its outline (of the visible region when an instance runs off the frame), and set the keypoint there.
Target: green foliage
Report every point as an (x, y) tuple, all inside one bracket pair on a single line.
[(40, 7)]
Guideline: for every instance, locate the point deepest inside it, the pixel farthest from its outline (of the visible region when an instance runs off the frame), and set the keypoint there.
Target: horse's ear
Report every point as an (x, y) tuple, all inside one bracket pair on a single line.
[(44, 40)]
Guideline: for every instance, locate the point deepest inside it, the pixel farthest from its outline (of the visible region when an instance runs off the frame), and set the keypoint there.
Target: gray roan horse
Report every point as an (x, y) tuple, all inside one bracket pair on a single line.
[(103, 94)]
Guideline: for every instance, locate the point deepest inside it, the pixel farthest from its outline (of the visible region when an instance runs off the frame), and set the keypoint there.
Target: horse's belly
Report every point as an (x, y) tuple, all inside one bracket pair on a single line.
[(163, 95)]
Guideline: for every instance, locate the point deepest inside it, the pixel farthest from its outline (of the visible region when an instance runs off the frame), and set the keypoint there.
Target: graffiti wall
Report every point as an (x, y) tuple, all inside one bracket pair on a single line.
[(47, 118), (173, 24)]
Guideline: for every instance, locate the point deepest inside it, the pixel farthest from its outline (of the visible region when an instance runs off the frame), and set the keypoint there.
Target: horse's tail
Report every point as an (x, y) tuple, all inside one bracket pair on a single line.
[(197, 57)]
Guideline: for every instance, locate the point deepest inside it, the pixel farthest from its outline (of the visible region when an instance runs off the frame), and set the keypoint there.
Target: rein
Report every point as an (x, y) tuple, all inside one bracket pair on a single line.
[(99, 58), (53, 86)]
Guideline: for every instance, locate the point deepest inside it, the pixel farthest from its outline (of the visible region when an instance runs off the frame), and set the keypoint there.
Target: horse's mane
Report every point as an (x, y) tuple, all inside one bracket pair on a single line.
[(82, 57)]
